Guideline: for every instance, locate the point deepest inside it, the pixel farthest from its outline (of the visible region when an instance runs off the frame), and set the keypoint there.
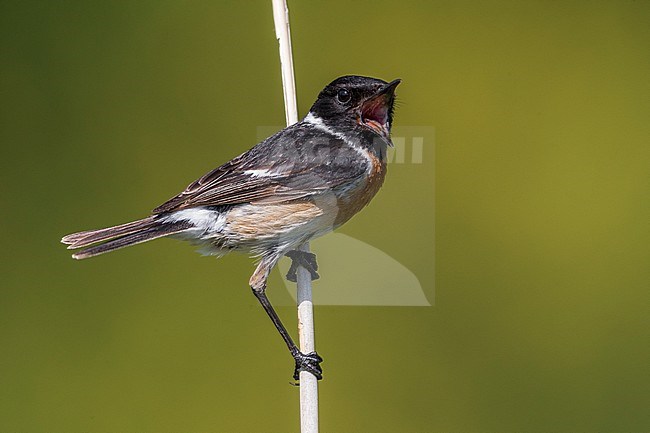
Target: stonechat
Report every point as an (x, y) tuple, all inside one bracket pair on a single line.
[(299, 184)]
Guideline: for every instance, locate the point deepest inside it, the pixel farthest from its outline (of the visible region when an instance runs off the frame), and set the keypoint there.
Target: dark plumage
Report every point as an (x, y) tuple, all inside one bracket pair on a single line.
[(296, 185)]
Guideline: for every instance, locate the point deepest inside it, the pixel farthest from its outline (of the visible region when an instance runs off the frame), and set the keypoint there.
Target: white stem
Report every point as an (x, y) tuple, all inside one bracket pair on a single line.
[(308, 383), (283, 34)]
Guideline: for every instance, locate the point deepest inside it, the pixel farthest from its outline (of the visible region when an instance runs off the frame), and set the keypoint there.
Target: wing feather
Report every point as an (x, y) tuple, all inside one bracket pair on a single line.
[(295, 163)]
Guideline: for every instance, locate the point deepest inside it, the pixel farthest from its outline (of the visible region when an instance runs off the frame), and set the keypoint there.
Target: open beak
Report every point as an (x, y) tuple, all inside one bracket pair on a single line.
[(376, 111)]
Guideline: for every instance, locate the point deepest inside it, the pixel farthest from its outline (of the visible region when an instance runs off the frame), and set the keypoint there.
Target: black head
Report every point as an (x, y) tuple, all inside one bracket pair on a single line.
[(357, 102)]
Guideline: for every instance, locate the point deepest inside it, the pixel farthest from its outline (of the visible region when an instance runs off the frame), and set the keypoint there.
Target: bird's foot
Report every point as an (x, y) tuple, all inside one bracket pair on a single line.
[(309, 362), (304, 259)]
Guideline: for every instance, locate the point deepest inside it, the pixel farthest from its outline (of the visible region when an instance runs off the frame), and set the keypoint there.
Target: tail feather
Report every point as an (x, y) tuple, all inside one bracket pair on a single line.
[(121, 236), (89, 237), (133, 239)]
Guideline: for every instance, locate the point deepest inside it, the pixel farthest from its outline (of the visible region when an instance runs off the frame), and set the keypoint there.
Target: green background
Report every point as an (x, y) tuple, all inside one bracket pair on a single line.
[(542, 249)]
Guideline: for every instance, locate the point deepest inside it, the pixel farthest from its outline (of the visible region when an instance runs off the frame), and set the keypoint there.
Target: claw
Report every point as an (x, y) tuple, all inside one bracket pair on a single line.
[(304, 259), (309, 362)]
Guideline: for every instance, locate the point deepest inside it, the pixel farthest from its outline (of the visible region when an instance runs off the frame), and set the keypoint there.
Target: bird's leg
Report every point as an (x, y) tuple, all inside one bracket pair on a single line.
[(304, 361), (304, 259), (309, 362)]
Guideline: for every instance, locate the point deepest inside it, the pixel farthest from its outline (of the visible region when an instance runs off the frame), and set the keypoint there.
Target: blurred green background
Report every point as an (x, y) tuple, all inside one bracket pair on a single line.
[(540, 318)]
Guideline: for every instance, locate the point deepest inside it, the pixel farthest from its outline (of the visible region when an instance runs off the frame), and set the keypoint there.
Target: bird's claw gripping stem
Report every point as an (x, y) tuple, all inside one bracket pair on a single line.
[(304, 259), (309, 362)]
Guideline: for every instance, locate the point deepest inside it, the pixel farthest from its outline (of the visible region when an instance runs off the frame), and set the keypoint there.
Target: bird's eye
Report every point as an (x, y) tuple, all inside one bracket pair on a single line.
[(343, 96)]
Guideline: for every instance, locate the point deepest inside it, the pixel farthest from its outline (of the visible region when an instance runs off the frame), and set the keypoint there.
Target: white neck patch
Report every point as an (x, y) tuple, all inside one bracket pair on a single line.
[(318, 123)]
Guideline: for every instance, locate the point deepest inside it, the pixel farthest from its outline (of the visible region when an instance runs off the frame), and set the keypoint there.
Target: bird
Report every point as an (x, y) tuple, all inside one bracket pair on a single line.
[(301, 183)]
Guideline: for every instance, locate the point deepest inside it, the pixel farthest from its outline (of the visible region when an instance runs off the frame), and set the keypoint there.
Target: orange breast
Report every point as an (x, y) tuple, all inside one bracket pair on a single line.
[(359, 197)]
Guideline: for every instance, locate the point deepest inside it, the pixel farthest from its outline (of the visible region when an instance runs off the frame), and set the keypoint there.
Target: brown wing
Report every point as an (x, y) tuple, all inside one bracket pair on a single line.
[(290, 165)]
